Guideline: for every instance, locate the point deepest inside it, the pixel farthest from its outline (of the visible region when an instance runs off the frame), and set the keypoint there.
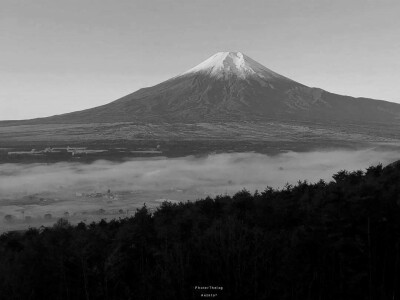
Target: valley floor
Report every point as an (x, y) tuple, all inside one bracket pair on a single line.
[(116, 141), (124, 165)]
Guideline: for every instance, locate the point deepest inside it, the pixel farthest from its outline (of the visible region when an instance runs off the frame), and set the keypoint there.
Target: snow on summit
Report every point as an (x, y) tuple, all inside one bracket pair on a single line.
[(223, 64)]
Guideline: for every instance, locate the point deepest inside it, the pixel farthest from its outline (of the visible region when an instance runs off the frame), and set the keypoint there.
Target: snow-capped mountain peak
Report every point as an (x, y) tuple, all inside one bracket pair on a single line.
[(224, 64), (231, 87)]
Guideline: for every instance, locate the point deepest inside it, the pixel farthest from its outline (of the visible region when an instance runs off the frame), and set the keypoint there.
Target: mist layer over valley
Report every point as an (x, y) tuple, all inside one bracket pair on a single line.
[(37, 194)]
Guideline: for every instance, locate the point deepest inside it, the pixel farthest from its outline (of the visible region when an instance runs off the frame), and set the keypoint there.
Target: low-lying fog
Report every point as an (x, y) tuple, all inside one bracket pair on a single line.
[(107, 189)]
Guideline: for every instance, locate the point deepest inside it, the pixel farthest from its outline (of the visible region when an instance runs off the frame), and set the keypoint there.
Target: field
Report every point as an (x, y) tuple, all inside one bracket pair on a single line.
[(121, 140), (89, 172), (271, 131)]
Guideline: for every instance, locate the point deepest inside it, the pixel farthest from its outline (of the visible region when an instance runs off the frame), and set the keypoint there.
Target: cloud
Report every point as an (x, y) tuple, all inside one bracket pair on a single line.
[(214, 174)]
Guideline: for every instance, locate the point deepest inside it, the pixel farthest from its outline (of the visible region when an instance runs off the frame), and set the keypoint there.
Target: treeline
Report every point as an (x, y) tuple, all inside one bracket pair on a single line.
[(336, 240)]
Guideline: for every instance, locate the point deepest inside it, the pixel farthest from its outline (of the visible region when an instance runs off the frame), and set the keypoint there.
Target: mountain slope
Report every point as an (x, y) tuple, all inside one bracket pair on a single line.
[(229, 86)]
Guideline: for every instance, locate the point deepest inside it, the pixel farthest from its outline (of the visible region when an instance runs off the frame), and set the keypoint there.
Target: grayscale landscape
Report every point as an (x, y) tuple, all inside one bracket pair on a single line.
[(228, 123), (199, 149)]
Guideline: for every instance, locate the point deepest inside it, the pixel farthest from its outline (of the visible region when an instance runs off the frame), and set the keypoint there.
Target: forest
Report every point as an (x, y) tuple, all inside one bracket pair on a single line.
[(324, 240)]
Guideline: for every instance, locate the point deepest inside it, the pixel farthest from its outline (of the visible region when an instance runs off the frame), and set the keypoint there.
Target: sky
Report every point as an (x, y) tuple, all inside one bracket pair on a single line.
[(58, 56)]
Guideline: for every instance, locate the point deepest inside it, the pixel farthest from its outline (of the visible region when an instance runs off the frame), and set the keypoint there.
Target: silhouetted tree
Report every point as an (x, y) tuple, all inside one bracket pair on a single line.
[(327, 240)]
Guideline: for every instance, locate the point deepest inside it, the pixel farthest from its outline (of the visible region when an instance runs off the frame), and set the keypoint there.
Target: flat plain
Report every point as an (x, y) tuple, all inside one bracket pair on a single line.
[(167, 162)]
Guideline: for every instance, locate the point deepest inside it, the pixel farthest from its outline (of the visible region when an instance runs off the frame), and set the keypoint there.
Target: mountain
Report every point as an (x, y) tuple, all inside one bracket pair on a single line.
[(230, 86)]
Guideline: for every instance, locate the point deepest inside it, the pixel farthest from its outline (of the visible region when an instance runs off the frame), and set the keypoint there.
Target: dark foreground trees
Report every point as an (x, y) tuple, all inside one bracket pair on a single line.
[(337, 240)]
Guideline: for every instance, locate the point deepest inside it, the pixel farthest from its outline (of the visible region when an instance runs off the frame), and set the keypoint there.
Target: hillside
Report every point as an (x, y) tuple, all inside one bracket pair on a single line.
[(336, 240)]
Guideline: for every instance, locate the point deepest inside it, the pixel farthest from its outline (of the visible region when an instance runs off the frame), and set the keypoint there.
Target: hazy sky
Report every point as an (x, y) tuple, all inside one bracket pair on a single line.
[(58, 56)]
